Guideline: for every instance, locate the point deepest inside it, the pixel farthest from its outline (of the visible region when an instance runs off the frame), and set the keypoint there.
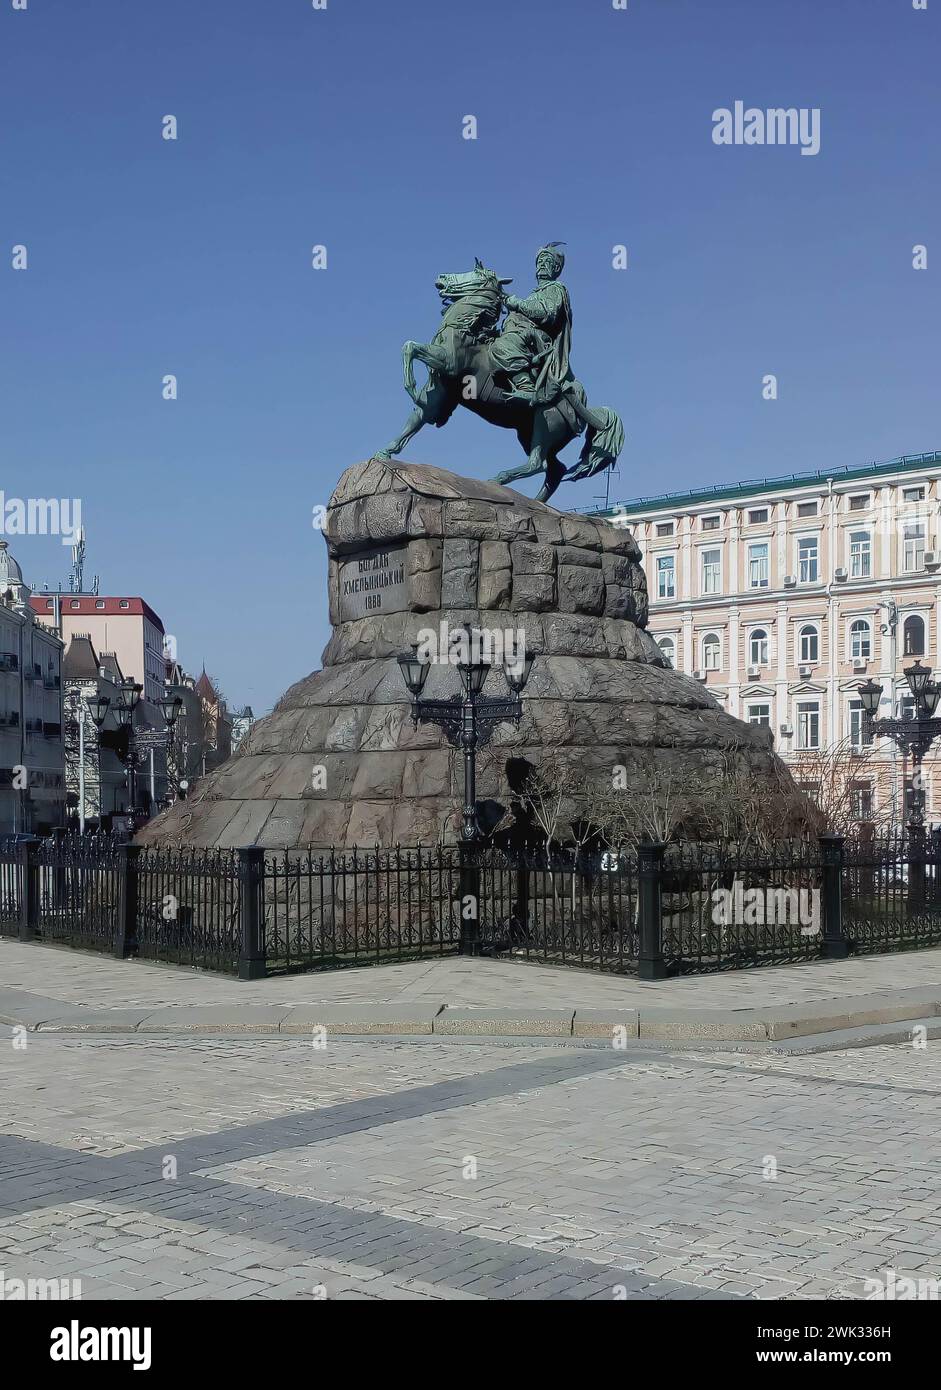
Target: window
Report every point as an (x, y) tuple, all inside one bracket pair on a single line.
[(860, 730), (809, 643), (906, 707), (806, 509), (808, 724), (913, 546), (711, 571), (758, 648), (710, 523), (861, 801), (75, 603), (711, 652), (807, 560), (758, 566), (666, 576), (756, 517), (668, 649), (759, 714), (859, 502), (860, 555), (913, 636), (664, 528), (860, 639), (49, 603), (124, 603), (913, 494), (99, 603)]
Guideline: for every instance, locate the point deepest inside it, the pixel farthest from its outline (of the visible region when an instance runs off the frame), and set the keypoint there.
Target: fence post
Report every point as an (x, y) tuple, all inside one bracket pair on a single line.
[(252, 963), (835, 944), (916, 867), (29, 888), (650, 962), (468, 906), (125, 935)]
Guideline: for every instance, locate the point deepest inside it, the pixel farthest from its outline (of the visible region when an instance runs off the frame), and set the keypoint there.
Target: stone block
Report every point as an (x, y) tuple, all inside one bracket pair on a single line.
[(354, 1018), (460, 572), (533, 593), (495, 588), (581, 590), (423, 575), (578, 555), (606, 1023), (528, 558), (578, 530), (518, 1022)]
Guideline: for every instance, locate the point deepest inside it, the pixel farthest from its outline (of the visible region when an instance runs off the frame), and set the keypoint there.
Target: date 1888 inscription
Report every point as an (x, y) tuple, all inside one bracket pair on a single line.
[(373, 584)]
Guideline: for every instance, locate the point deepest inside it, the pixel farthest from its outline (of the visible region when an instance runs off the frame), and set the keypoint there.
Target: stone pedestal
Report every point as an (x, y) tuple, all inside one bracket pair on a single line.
[(338, 762)]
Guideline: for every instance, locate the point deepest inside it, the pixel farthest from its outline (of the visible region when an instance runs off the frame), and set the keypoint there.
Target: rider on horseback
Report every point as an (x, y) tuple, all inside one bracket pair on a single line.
[(535, 342)]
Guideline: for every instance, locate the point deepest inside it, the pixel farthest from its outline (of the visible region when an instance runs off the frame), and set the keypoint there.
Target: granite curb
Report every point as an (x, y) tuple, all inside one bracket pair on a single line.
[(771, 1024)]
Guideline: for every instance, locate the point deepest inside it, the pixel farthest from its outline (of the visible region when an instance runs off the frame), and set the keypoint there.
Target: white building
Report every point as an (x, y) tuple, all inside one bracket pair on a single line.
[(783, 595), (32, 752)]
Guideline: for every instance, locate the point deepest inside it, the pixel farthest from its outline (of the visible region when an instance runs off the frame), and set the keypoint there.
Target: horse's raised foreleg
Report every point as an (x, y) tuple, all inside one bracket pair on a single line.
[(534, 464), (434, 358)]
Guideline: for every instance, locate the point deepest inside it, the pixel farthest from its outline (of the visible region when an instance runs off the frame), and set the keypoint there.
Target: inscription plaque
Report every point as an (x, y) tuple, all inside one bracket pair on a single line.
[(373, 583)]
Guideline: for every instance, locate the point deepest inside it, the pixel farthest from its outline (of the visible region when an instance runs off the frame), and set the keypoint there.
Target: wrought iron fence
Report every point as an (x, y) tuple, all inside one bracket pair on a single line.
[(655, 911)]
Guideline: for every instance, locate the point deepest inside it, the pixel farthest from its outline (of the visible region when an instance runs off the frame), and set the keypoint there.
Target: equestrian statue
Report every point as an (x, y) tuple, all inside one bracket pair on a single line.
[(516, 374)]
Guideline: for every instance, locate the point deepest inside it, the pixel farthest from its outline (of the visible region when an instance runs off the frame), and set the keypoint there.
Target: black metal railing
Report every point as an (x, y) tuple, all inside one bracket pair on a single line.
[(653, 911)]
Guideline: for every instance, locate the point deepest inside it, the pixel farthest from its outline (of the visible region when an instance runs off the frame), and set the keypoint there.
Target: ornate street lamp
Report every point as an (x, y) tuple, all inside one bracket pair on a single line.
[(98, 709), (468, 720), (172, 706), (915, 735), (129, 693)]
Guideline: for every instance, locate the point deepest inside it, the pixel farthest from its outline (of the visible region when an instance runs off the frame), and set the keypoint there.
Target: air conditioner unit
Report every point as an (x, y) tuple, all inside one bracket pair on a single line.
[(754, 672), (790, 580), (699, 675), (931, 560), (805, 672), (839, 573), (859, 663), (786, 731)]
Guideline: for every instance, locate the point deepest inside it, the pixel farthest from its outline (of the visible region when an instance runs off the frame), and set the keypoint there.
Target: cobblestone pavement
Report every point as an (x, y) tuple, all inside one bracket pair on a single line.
[(79, 978), (266, 1168)]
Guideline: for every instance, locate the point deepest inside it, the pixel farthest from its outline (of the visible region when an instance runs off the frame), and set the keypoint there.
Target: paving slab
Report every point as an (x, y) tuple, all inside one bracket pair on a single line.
[(721, 1024), (213, 1018), (355, 1018), (606, 1023), (555, 1023)]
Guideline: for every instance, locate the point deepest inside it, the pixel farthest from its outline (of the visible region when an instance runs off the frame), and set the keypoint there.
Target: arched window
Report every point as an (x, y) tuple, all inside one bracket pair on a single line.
[(914, 636), (861, 639), (758, 648), (809, 644), (710, 652), (668, 649)]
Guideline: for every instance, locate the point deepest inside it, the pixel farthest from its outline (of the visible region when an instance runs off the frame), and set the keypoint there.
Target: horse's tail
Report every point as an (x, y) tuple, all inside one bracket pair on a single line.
[(602, 446)]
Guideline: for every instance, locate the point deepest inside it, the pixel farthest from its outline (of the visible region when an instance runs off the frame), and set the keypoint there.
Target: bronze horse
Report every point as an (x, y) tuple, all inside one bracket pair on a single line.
[(461, 372)]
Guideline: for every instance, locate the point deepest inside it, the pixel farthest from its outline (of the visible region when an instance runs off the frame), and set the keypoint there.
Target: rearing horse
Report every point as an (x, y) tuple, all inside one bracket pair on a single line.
[(461, 371)]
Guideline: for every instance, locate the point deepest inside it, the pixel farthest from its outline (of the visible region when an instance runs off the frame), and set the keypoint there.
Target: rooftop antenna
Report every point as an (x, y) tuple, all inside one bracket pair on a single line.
[(77, 577)]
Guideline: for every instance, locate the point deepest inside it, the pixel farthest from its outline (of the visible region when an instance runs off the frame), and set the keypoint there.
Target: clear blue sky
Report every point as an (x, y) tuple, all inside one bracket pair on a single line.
[(343, 127)]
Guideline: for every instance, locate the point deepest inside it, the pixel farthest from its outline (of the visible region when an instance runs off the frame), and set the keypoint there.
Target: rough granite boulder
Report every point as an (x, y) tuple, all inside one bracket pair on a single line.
[(338, 762)]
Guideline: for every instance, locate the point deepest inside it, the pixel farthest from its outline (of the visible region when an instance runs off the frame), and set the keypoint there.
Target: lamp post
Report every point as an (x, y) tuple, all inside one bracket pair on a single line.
[(97, 709), (172, 707), (469, 719), (915, 735), (129, 693)]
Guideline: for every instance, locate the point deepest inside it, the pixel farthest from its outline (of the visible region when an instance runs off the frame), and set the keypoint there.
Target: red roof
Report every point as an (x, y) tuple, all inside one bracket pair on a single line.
[(92, 604)]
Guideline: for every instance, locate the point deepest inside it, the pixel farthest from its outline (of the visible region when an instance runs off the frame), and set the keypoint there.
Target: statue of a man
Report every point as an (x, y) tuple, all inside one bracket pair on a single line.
[(534, 345)]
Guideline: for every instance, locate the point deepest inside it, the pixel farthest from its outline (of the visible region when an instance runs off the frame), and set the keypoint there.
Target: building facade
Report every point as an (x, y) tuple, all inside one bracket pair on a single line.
[(32, 751), (95, 772), (128, 627), (782, 596)]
